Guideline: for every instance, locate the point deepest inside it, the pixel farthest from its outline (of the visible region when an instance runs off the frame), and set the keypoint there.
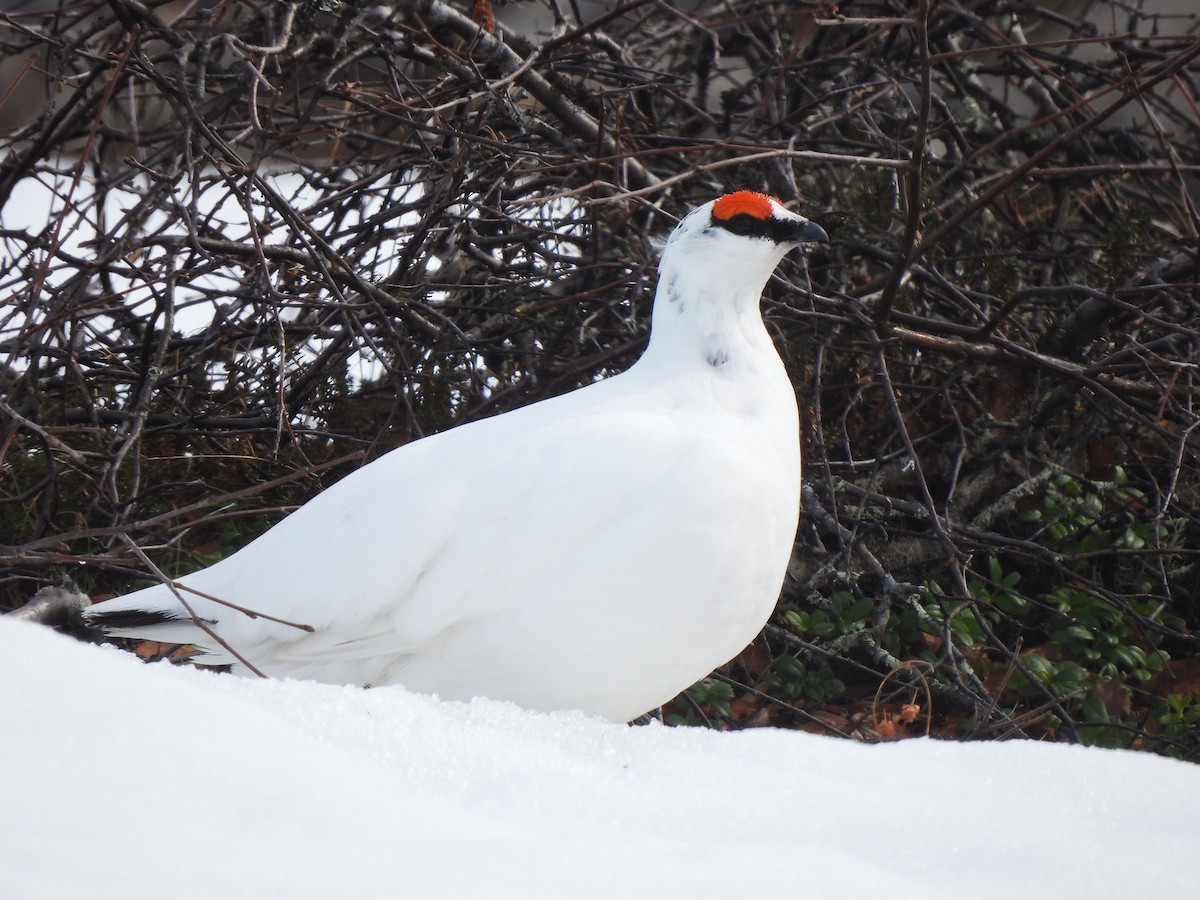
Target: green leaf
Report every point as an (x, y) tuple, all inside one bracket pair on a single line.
[(798, 620), (994, 569), (1094, 711), (1012, 604), (1130, 657), (1039, 667), (859, 609), (1073, 634)]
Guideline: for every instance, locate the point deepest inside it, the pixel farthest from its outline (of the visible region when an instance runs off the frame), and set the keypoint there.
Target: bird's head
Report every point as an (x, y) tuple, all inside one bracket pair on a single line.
[(728, 248), (743, 229)]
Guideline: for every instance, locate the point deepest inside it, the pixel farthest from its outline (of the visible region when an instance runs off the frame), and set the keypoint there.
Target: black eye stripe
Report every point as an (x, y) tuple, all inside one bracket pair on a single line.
[(780, 231), (745, 225)]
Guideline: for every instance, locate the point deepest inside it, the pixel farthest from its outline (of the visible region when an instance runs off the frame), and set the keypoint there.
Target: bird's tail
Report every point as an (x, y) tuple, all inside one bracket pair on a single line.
[(152, 614)]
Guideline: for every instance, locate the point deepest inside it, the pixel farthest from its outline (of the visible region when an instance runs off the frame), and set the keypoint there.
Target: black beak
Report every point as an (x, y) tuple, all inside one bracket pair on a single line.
[(810, 233)]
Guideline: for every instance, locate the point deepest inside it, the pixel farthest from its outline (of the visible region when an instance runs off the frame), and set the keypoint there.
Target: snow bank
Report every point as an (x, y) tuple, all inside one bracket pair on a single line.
[(122, 780)]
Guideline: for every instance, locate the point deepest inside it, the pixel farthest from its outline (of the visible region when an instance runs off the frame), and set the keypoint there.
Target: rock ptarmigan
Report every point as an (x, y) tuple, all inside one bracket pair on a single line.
[(599, 551)]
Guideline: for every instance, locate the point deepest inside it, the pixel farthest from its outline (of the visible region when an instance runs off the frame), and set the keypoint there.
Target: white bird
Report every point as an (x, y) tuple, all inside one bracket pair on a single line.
[(602, 550)]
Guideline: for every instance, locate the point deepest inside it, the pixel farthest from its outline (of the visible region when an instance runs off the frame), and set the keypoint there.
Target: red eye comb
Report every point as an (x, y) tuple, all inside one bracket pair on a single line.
[(750, 203)]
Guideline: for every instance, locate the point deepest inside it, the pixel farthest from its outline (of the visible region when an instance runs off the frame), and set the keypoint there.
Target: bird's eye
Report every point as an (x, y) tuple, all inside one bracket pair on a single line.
[(742, 224)]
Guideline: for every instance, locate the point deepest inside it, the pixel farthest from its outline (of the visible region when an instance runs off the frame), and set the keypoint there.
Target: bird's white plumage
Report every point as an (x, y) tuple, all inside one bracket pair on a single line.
[(600, 551)]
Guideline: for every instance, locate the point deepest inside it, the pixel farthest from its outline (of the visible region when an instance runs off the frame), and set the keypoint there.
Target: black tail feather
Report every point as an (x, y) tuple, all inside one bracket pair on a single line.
[(121, 619)]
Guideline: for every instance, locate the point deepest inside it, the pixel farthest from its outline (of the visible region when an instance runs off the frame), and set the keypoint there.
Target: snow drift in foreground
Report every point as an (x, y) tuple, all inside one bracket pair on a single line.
[(122, 780)]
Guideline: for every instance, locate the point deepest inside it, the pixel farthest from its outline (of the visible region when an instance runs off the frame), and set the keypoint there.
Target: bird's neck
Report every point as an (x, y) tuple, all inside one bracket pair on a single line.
[(706, 322)]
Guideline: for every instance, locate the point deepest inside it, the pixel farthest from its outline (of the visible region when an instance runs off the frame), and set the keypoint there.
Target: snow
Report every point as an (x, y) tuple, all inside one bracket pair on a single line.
[(121, 780)]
